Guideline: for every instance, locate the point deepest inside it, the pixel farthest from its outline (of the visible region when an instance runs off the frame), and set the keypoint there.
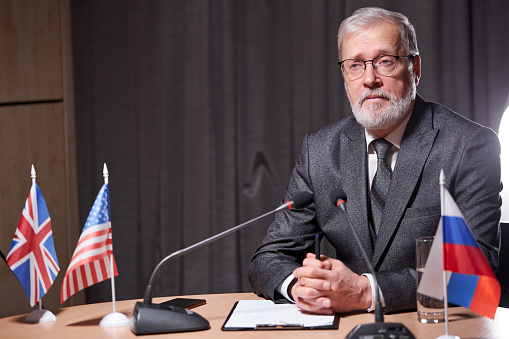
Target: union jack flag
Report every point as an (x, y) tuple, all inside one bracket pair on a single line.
[(32, 256), (90, 262)]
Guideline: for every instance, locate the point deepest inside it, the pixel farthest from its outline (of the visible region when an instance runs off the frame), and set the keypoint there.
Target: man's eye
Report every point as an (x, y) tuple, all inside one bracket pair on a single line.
[(385, 61)]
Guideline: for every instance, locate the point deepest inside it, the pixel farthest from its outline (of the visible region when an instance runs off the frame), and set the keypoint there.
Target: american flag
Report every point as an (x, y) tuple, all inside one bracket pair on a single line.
[(32, 256), (90, 262)]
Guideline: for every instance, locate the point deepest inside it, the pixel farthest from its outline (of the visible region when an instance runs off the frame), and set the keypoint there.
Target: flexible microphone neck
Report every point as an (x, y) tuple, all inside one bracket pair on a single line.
[(379, 317), (148, 291), (338, 198), (378, 329), (300, 199)]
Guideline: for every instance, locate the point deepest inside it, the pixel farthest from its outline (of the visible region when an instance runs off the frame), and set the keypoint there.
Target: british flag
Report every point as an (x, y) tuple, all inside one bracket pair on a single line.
[(90, 262), (32, 256)]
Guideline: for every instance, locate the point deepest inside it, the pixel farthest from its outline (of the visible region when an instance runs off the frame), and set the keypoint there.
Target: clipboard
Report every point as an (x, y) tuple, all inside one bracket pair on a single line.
[(255, 315)]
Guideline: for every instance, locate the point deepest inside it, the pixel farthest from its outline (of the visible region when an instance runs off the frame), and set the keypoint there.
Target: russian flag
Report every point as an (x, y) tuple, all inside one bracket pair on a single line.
[(471, 282)]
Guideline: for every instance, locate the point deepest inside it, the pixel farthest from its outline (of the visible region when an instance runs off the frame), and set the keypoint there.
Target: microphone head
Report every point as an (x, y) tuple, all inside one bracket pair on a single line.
[(301, 199), (336, 195)]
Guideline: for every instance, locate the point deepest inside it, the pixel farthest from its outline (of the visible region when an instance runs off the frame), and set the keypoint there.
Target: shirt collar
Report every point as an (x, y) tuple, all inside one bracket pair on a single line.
[(394, 137)]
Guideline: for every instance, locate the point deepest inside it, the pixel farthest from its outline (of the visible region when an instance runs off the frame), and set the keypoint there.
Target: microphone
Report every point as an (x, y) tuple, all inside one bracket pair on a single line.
[(148, 318), (379, 329), (299, 200)]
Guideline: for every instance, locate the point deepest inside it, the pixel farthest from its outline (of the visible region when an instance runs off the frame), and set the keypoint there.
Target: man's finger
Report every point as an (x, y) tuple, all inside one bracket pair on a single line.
[(317, 284), (312, 262), (306, 292), (315, 305), (311, 272)]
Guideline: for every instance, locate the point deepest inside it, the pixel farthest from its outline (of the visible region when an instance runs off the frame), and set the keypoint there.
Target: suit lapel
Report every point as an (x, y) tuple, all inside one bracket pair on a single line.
[(415, 148), (353, 167)]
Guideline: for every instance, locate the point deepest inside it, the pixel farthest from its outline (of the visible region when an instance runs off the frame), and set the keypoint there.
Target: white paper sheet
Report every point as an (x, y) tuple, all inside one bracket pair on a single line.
[(252, 314)]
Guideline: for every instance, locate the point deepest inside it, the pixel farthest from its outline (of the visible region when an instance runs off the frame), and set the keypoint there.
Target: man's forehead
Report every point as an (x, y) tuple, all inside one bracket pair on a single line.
[(371, 41), (370, 53)]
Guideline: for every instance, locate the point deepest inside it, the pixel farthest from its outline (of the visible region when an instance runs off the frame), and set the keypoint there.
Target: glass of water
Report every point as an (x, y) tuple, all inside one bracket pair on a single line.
[(429, 310)]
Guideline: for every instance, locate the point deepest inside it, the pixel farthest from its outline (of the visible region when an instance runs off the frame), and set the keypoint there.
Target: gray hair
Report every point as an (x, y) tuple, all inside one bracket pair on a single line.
[(368, 16)]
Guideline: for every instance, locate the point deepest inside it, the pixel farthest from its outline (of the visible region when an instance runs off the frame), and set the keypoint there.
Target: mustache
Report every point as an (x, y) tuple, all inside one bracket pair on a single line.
[(377, 92)]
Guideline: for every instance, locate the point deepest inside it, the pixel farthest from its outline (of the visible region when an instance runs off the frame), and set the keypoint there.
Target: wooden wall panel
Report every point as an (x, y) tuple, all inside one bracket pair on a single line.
[(32, 134), (37, 127), (30, 57)]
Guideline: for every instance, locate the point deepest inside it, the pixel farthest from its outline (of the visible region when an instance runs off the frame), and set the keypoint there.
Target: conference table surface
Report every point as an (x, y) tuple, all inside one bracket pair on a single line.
[(83, 322)]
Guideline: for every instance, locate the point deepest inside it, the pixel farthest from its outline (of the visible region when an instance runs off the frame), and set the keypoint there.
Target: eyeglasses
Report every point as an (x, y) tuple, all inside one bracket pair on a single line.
[(385, 65)]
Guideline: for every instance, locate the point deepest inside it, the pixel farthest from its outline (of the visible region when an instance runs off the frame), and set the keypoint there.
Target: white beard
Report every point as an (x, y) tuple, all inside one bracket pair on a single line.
[(374, 117)]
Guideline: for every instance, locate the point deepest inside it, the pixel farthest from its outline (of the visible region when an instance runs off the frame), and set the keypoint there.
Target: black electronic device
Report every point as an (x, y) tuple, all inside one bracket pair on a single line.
[(379, 329), (184, 302), (148, 318), (158, 318)]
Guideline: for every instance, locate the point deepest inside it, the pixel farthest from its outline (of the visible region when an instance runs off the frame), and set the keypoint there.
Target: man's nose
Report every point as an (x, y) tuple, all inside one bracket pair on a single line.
[(370, 77)]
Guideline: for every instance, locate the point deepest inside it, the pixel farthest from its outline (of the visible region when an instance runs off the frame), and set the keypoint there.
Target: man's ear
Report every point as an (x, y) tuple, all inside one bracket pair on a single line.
[(417, 68)]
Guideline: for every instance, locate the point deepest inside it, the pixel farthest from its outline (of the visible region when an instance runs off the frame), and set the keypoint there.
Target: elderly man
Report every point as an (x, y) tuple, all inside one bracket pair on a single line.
[(387, 157)]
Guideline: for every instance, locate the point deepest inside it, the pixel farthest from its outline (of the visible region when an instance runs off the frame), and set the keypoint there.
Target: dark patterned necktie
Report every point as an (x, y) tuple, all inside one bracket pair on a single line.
[(381, 181)]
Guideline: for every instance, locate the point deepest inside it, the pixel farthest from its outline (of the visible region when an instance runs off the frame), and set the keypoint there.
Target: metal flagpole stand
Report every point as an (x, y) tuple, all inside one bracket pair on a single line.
[(39, 315), (446, 299), (115, 318)]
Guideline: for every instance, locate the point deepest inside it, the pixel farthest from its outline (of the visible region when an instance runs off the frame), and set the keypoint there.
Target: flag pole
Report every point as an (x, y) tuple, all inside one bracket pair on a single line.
[(114, 318), (39, 315), (446, 299), (444, 273), (33, 175), (113, 297)]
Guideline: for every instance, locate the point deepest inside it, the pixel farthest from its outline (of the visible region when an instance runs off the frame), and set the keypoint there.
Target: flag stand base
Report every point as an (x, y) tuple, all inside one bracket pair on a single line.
[(40, 316), (114, 319)]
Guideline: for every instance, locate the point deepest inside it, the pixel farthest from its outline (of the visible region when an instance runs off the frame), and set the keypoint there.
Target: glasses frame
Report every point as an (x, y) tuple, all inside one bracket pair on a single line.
[(397, 57)]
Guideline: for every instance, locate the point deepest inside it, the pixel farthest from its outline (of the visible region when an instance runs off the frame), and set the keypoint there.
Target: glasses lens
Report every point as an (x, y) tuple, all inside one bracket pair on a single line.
[(385, 64), (353, 68)]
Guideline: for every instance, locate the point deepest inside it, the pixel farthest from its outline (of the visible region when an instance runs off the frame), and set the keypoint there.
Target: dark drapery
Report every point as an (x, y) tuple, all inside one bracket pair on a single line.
[(199, 108)]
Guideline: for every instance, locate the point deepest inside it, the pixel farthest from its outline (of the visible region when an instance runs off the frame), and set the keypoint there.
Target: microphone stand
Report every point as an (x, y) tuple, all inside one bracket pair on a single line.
[(148, 318), (379, 329)]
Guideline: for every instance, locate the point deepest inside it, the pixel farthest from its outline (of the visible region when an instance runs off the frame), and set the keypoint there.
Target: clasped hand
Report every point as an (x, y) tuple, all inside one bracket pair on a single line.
[(327, 286)]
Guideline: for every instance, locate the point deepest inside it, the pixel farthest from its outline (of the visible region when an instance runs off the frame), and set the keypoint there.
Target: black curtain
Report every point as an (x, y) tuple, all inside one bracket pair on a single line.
[(199, 108)]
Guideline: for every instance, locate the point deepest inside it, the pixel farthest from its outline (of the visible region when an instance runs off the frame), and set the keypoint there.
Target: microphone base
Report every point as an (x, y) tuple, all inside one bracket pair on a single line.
[(156, 318), (380, 331)]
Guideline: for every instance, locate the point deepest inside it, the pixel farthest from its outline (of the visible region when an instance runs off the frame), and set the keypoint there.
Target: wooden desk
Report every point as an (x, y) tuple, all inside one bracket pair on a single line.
[(83, 322)]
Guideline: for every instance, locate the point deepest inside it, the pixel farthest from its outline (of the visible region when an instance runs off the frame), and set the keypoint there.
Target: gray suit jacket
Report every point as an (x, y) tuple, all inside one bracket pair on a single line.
[(335, 156)]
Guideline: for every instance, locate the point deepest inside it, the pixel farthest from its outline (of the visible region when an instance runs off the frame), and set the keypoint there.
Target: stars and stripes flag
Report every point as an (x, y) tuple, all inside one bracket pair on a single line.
[(32, 256), (90, 262), (470, 280)]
